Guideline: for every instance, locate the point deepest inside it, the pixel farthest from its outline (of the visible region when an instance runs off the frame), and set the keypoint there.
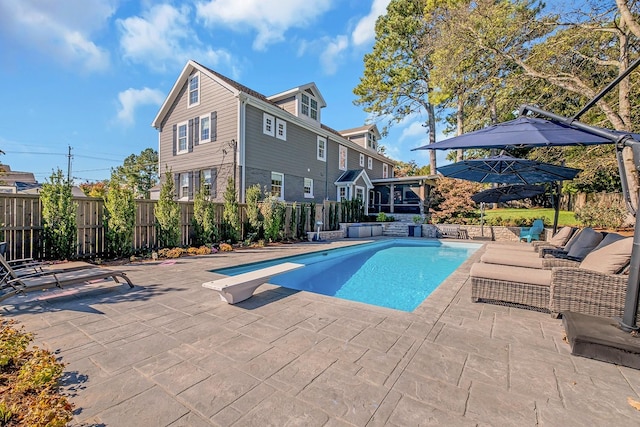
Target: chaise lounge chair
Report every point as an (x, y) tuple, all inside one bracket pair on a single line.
[(548, 258), (558, 240), (16, 282), (597, 286)]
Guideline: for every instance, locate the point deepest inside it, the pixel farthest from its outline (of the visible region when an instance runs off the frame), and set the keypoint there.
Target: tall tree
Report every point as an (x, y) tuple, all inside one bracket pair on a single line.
[(120, 217), (396, 81), (167, 213), (59, 217), (140, 172)]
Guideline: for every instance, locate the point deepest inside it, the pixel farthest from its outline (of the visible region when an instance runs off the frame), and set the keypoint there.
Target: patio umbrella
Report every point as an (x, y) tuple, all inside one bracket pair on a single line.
[(505, 193), (508, 170), (521, 132)]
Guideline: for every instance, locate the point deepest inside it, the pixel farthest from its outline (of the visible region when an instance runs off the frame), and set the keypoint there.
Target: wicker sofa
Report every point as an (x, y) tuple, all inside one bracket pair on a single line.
[(596, 286)]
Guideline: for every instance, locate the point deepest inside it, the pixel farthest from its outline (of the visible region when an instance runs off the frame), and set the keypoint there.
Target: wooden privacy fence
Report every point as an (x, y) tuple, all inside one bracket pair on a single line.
[(21, 224)]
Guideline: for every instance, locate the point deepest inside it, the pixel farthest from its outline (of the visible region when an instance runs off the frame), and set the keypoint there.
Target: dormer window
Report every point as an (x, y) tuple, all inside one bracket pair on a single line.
[(371, 141), (309, 106), (194, 89)]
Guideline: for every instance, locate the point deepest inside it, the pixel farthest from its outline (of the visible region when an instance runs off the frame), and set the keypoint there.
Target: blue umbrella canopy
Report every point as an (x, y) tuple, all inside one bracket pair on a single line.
[(507, 193), (508, 170), (521, 132)]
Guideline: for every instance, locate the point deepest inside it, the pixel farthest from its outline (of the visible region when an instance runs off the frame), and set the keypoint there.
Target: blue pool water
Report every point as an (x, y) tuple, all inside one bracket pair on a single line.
[(397, 274)]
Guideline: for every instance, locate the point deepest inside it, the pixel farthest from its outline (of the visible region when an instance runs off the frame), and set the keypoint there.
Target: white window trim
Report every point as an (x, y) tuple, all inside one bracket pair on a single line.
[(323, 141), (355, 193), (304, 184), (385, 170), (189, 104), (281, 186), (369, 163), (342, 148), (361, 160), (346, 192), (186, 149), (280, 122), (266, 131), (184, 177), (208, 117)]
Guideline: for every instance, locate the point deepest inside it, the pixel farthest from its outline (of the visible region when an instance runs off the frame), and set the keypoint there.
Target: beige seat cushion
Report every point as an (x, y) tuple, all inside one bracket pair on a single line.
[(561, 237), (526, 247), (609, 259), (515, 258), (511, 274), (586, 242)]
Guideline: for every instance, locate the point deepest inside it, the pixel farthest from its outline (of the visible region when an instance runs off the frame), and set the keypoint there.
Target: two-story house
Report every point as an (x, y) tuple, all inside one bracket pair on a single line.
[(211, 127)]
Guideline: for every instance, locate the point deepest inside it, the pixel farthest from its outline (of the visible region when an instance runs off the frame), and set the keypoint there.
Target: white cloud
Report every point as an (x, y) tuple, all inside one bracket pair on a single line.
[(61, 30), (131, 99), (365, 31), (332, 54), (269, 18), (163, 36)]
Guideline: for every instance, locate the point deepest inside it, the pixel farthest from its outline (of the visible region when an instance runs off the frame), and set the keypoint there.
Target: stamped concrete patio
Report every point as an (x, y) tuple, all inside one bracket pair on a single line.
[(170, 353)]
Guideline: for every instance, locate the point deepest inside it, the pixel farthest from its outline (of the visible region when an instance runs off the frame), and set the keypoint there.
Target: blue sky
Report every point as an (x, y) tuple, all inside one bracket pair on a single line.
[(92, 74)]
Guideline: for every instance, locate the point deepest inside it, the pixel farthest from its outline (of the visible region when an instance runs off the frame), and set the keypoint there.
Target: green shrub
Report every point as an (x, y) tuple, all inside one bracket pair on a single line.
[(119, 217), (167, 213), (58, 217), (603, 214), (273, 210)]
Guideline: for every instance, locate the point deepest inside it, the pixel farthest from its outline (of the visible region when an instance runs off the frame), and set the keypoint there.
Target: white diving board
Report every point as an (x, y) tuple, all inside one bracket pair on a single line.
[(234, 289)]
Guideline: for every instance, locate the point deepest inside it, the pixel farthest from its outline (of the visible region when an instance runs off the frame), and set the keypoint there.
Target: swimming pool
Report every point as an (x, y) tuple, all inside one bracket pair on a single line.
[(397, 273)]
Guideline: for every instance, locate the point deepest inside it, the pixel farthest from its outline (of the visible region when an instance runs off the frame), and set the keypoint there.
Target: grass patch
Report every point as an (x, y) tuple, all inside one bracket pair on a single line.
[(512, 215)]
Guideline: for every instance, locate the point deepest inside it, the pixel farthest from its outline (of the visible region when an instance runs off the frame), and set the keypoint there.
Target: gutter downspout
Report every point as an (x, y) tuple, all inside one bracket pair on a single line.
[(242, 111)]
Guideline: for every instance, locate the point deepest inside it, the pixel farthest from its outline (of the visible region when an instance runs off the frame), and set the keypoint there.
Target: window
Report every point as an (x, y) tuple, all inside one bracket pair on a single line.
[(342, 158), (277, 185), (205, 129), (343, 193), (369, 163), (194, 89), (184, 185), (371, 141), (309, 106), (385, 170), (281, 129), (182, 138), (268, 125), (322, 149), (308, 187), (361, 160), (360, 193), (206, 180)]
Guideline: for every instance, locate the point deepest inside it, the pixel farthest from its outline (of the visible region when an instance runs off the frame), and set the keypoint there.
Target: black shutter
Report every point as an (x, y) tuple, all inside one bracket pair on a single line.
[(175, 139), (190, 138), (191, 179), (196, 130), (214, 126), (213, 191), (176, 181), (197, 177)]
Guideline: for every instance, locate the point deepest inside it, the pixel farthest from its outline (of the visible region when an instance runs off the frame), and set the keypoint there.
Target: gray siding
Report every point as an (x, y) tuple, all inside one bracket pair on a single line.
[(209, 155), (288, 105), (295, 158)]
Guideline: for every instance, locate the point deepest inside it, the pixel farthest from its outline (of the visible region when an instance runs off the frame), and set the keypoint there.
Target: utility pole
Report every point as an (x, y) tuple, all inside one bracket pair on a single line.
[(69, 167)]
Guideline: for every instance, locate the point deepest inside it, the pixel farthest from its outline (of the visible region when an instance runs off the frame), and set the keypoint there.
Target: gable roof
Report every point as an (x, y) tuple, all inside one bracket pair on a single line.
[(238, 88), (309, 87), (351, 177), (360, 130)]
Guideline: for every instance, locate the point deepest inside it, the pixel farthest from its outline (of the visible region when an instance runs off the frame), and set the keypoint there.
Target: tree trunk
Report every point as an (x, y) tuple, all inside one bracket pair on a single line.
[(460, 125), (432, 136)]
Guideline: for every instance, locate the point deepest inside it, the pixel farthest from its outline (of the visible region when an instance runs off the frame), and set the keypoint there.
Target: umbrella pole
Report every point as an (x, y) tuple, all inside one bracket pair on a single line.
[(556, 206), (482, 219)]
